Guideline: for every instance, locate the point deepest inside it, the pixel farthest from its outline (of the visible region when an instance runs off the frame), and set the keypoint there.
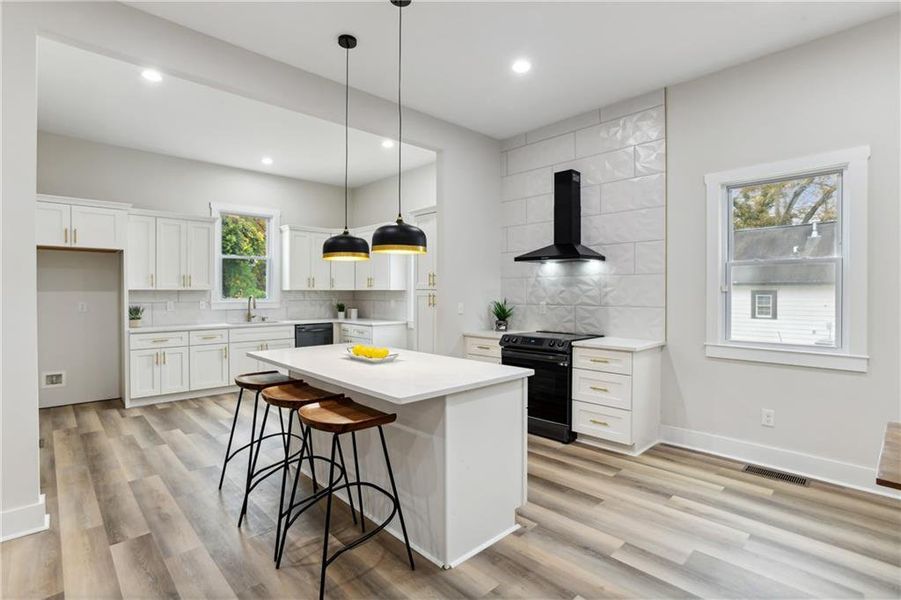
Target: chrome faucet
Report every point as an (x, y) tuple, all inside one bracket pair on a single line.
[(251, 304)]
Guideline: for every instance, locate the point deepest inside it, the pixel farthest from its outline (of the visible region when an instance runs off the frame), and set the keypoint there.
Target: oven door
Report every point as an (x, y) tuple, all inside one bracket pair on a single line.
[(550, 392)]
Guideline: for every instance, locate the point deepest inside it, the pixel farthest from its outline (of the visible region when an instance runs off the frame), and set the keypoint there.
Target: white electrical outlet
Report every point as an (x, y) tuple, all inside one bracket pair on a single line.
[(459, 308), (170, 305), (767, 417), (204, 305), (82, 307)]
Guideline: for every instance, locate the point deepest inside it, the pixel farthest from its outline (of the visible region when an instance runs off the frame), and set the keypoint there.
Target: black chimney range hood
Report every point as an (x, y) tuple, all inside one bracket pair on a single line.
[(567, 244)]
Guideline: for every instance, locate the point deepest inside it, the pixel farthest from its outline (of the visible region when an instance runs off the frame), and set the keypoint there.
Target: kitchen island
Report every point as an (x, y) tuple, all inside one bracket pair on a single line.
[(458, 446)]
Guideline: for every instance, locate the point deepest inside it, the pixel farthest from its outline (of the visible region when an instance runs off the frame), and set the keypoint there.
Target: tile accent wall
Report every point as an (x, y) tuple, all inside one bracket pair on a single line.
[(187, 306), (620, 151)]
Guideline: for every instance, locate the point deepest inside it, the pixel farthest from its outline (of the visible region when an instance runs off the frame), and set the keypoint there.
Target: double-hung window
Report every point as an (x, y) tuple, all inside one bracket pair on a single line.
[(787, 262), (246, 255)]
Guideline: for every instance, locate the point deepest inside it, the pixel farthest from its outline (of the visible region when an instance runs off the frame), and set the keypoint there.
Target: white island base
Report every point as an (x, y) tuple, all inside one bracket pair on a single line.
[(458, 447)]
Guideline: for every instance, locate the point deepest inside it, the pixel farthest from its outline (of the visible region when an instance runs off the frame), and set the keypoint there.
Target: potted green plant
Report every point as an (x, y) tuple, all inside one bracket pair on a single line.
[(340, 307), (502, 313), (135, 313)]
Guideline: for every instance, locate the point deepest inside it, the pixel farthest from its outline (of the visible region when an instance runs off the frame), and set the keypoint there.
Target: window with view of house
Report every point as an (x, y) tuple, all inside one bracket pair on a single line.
[(786, 265), (246, 256)]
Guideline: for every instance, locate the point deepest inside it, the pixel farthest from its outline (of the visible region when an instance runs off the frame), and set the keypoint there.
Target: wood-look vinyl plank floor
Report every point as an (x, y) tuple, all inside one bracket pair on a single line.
[(136, 513)]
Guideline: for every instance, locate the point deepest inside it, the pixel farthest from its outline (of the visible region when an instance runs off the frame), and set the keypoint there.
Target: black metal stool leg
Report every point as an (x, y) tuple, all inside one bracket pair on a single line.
[(353, 439), (256, 456), (350, 498), (281, 422), (297, 475), (328, 517), (309, 443), (400, 513), (231, 436), (253, 432), (281, 495)]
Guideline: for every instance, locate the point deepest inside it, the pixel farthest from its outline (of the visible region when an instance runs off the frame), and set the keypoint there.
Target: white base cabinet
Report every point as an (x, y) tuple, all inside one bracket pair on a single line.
[(209, 366), (485, 349), (389, 336), (426, 319)]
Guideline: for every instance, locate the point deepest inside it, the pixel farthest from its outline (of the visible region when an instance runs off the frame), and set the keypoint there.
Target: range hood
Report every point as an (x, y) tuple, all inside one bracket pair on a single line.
[(567, 223)]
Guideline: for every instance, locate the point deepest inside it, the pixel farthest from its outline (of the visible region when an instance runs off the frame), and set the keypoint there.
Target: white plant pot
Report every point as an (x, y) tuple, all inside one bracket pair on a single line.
[(134, 322), (341, 316)]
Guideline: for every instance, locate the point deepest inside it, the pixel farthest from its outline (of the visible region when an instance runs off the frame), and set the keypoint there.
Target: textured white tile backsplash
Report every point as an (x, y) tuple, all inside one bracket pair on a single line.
[(621, 152)]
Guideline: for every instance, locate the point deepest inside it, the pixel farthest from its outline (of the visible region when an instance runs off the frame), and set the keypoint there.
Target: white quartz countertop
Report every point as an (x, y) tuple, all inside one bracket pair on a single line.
[(488, 333), (618, 343), (412, 377), (206, 326)]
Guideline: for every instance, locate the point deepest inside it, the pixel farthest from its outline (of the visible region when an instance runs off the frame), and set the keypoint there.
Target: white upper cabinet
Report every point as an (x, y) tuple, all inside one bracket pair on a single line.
[(344, 274), (427, 264), (381, 271), (320, 269), (141, 252), (303, 267), (169, 253), (85, 224)]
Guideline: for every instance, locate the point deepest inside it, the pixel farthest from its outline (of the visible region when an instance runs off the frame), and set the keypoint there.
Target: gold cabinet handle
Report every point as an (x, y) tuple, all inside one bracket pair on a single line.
[(601, 423), (208, 337), (190, 281), (65, 235), (151, 280), (159, 340), (267, 345), (225, 352), (332, 282), (314, 282), (599, 389), (599, 360), (164, 358), (484, 347), (75, 235), (156, 358)]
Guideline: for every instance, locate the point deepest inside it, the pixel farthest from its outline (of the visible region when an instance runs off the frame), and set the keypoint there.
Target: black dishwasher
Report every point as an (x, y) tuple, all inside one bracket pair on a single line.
[(313, 334)]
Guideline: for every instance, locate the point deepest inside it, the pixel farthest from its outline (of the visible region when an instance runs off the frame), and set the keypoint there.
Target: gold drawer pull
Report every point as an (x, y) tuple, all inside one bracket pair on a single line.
[(598, 388), (208, 337), (602, 423), (484, 347), (599, 360), (160, 340)]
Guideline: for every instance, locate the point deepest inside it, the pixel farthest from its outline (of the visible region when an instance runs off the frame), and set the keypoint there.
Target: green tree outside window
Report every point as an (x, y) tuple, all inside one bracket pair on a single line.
[(245, 258)]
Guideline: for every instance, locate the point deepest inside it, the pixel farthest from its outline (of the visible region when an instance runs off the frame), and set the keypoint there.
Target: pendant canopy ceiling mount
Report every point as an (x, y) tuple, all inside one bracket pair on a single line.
[(345, 246), (399, 237)]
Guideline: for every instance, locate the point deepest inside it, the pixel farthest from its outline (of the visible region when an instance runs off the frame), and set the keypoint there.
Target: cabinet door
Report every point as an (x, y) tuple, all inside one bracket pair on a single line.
[(381, 271), (141, 252), (199, 255), (144, 373), (209, 366), (98, 227), (52, 222), (296, 260), (427, 264), (426, 320), (238, 361), (174, 370), (363, 268), (320, 269), (171, 253), (344, 274)]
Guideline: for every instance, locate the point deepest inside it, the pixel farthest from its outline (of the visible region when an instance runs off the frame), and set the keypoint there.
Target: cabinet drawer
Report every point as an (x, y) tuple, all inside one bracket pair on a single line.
[(489, 359), (483, 347), (602, 422), (607, 389), (610, 361), (252, 334), (169, 339), (210, 336), (356, 331)]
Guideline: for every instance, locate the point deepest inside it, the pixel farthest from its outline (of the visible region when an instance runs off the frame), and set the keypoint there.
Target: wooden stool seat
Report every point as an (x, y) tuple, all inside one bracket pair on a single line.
[(295, 395), (342, 415), (262, 380)]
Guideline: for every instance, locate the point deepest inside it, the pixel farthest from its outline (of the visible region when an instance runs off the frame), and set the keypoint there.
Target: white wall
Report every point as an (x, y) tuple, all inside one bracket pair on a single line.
[(69, 166), (467, 167), (837, 92), (86, 345), (376, 202), (620, 150)]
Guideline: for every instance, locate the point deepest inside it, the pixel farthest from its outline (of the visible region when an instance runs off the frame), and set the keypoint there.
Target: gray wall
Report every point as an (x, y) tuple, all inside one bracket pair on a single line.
[(376, 202), (834, 93)]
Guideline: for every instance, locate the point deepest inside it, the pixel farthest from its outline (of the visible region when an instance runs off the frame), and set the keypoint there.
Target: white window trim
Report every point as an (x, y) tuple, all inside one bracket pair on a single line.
[(851, 355), (273, 249)]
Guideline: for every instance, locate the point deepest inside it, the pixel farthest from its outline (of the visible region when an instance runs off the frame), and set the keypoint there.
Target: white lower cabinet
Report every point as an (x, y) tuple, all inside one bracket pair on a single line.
[(144, 373), (389, 336), (426, 319), (485, 349), (239, 363), (209, 366), (174, 374)]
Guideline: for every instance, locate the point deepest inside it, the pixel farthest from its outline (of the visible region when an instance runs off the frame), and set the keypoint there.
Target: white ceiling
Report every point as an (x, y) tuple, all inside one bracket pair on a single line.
[(458, 54), (90, 96)]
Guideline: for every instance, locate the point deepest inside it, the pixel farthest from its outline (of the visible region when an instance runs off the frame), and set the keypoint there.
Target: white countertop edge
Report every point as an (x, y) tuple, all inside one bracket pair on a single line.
[(520, 374), (618, 343), (288, 323), (489, 334)]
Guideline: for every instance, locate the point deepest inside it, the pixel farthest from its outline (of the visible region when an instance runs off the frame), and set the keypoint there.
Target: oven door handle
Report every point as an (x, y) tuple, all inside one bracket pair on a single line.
[(560, 361)]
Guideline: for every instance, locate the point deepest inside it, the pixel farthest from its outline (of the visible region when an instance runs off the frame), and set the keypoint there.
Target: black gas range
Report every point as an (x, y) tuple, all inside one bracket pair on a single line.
[(549, 354)]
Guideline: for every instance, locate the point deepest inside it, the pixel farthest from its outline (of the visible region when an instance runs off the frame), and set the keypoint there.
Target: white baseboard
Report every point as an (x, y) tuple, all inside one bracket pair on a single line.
[(816, 467), (24, 520)]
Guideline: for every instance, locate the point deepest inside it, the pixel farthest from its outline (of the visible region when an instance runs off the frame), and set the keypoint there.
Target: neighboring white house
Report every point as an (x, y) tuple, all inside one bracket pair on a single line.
[(784, 303)]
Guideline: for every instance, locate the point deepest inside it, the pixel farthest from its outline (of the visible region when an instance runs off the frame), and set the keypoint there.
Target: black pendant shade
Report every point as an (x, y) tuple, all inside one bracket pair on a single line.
[(345, 246), (399, 237)]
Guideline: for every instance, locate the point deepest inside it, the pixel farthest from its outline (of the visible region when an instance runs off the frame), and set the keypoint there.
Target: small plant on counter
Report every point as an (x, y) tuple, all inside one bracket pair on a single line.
[(135, 314), (502, 313), (340, 307)]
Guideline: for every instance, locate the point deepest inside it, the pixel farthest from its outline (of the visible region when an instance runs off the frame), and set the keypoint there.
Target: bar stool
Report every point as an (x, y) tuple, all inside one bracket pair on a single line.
[(255, 382), (339, 416)]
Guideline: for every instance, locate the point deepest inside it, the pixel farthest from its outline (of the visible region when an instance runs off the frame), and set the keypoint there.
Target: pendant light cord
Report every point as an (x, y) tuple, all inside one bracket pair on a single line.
[(400, 118), (346, 126)]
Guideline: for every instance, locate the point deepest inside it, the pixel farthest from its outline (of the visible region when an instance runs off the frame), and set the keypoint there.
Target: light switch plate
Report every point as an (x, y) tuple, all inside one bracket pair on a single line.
[(170, 305), (459, 308)]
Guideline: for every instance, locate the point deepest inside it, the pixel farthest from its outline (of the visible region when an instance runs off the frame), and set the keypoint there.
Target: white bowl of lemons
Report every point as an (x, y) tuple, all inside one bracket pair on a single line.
[(370, 354)]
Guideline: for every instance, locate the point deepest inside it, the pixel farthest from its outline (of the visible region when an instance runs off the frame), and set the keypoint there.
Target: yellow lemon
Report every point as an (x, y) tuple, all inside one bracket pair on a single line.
[(380, 353)]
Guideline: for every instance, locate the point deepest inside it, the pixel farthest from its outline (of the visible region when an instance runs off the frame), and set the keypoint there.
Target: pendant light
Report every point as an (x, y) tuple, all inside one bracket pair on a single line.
[(399, 237), (345, 246)]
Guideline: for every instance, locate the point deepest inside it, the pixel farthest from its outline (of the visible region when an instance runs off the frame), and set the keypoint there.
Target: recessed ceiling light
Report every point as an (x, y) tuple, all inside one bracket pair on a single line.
[(387, 143), (152, 75), (266, 160), (521, 66)]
